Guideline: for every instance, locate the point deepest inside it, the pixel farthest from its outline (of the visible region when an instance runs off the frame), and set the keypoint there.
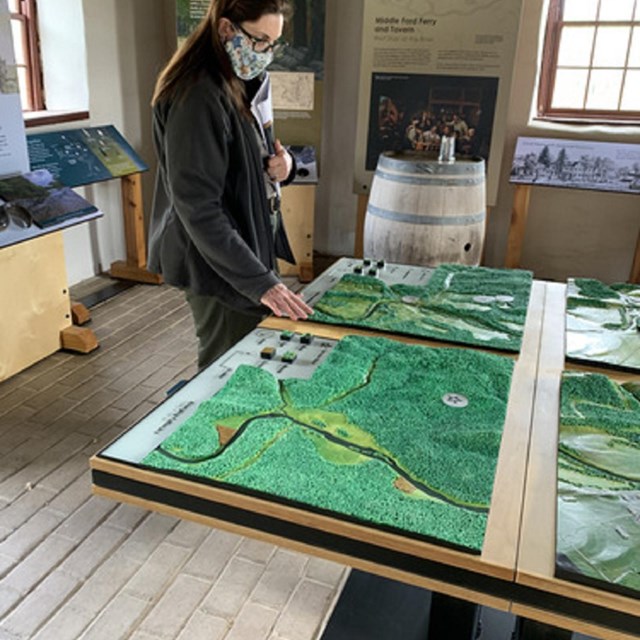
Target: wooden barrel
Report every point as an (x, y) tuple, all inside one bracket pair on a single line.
[(424, 212)]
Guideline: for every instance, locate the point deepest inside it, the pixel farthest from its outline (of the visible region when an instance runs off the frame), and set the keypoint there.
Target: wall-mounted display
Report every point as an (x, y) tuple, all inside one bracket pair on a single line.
[(188, 14), (435, 68), (294, 91), (414, 112), (576, 164)]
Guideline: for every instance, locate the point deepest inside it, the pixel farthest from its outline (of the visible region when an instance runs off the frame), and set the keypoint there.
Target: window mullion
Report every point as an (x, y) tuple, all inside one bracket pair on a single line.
[(550, 53), (35, 75), (591, 57), (626, 60)]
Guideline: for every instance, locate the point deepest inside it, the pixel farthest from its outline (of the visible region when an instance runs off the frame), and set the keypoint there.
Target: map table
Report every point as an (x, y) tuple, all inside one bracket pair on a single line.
[(485, 578), (515, 569)]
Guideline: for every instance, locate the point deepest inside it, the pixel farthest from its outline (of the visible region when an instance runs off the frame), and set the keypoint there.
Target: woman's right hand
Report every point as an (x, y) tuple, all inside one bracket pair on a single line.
[(284, 302)]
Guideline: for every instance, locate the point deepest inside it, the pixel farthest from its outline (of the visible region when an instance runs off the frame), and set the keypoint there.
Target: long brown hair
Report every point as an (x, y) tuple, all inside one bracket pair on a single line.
[(204, 51)]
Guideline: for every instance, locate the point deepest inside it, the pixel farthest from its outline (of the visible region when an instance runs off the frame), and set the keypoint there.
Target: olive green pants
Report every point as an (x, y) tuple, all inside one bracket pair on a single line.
[(218, 327)]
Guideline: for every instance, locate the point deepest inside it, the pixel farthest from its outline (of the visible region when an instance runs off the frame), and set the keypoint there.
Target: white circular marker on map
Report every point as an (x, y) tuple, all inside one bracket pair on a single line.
[(410, 299), (455, 400), (483, 299)]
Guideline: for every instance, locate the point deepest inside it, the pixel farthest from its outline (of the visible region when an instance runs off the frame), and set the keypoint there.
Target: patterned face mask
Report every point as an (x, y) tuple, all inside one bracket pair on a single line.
[(247, 63)]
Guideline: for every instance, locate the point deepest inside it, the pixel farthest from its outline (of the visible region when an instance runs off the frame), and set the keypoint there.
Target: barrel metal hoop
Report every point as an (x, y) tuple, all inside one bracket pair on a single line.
[(462, 167), (429, 181), (426, 220)]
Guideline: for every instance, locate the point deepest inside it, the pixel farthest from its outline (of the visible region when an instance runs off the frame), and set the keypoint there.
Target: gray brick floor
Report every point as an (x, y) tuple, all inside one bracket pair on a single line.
[(73, 565)]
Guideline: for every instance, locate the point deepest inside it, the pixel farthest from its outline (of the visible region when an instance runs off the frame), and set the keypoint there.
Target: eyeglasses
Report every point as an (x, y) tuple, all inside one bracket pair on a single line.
[(262, 45)]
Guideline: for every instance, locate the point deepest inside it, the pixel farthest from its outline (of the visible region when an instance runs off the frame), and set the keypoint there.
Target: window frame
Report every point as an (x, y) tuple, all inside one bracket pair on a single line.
[(548, 71), (28, 15)]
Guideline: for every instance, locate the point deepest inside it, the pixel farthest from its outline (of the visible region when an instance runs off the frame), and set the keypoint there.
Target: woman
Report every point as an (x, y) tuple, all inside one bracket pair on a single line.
[(215, 229)]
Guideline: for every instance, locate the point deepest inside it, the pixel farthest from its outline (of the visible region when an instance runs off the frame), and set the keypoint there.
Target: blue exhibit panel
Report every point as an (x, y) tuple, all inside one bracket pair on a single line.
[(79, 157)]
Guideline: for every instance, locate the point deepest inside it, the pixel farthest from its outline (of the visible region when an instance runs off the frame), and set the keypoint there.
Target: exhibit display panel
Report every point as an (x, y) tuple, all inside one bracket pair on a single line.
[(37, 197), (84, 156), (433, 69), (577, 164), (452, 303), (569, 164), (13, 148)]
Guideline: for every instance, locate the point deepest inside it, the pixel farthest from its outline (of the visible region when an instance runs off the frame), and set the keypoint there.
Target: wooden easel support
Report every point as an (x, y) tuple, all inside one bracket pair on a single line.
[(519, 215), (358, 249), (80, 314), (635, 269), (78, 339), (135, 266)]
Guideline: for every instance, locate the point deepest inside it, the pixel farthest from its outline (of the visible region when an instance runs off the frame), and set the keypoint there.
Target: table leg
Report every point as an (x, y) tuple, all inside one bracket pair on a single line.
[(531, 630), (453, 618), (376, 608)]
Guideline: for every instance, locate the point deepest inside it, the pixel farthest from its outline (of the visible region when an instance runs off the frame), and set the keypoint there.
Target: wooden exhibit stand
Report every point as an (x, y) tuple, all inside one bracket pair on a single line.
[(37, 320), (518, 225), (134, 267), (358, 248), (298, 207)]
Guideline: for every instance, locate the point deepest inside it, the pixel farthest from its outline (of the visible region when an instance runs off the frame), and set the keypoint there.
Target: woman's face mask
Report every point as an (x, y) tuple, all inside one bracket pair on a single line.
[(247, 63)]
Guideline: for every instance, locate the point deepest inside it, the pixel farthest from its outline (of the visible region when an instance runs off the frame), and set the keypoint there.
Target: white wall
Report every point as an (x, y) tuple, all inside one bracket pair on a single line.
[(124, 45)]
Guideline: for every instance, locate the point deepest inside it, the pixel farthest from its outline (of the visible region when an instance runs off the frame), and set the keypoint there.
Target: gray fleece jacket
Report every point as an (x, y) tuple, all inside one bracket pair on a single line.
[(210, 230)]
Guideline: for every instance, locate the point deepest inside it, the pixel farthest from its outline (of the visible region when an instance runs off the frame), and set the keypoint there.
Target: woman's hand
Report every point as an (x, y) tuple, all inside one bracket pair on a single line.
[(279, 165), (284, 302)]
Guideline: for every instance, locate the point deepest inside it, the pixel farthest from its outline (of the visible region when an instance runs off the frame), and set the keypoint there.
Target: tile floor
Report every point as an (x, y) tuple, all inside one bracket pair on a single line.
[(73, 565)]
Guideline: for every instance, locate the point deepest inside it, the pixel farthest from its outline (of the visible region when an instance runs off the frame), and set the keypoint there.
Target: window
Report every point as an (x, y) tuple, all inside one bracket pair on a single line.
[(25, 43), (591, 61)]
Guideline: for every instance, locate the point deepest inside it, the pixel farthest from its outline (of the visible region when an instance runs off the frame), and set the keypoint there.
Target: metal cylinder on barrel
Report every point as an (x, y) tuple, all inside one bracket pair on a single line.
[(425, 212)]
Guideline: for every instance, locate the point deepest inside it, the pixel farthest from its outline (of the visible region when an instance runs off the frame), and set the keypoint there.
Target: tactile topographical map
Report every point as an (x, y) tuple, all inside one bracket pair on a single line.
[(398, 436), (599, 482)]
